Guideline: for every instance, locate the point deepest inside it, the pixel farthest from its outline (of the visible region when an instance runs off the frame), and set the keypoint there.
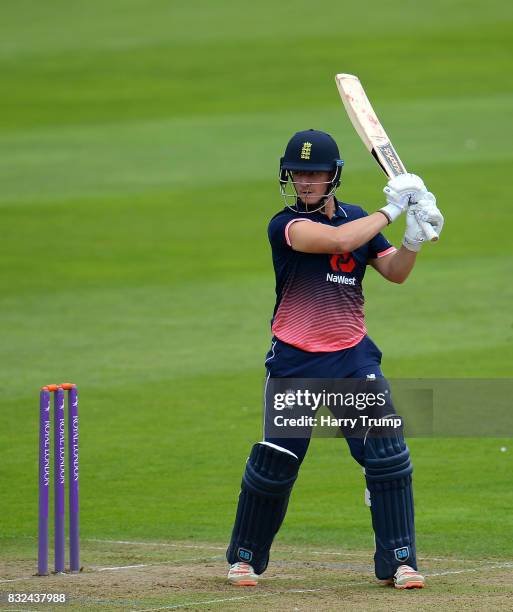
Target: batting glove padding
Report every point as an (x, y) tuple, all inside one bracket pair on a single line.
[(414, 235), (401, 191), (427, 210)]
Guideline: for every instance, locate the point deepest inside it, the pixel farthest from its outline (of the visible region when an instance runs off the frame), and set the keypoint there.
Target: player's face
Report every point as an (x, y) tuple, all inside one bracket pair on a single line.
[(311, 186)]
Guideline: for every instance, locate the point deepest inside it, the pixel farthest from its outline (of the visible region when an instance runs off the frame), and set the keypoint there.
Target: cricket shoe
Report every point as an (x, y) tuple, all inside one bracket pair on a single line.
[(406, 577), (242, 574)]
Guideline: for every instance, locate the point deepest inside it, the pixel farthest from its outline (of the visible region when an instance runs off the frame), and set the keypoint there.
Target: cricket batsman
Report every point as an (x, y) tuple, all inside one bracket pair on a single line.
[(319, 331)]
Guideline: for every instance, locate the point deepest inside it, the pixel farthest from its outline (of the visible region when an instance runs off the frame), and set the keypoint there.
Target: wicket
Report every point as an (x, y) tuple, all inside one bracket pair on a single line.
[(59, 444)]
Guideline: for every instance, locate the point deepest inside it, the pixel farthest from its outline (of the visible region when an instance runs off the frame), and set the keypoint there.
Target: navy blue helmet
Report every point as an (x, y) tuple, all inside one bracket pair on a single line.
[(310, 151)]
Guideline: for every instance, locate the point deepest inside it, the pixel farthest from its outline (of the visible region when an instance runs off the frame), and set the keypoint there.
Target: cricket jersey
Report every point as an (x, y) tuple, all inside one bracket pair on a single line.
[(319, 298)]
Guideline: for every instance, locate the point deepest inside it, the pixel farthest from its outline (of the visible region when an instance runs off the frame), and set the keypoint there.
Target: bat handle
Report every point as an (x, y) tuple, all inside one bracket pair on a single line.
[(428, 230)]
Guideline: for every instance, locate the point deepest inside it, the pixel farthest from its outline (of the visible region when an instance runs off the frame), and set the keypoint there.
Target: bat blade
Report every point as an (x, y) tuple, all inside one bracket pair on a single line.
[(372, 133)]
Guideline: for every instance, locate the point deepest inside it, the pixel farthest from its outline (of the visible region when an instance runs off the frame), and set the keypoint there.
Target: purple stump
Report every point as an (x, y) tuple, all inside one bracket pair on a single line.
[(74, 530), (44, 480), (59, 444)]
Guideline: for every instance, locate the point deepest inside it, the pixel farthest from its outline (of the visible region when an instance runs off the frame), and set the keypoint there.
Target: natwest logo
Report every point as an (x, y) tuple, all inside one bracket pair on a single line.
[(342, 263)]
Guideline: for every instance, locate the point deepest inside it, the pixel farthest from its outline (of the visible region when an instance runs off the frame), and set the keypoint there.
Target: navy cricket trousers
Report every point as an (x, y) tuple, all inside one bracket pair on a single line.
[(286, 361)]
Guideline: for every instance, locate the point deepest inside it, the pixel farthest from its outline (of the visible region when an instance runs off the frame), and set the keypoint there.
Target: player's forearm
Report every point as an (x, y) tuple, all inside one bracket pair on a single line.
[(356, 233), (399, 265)]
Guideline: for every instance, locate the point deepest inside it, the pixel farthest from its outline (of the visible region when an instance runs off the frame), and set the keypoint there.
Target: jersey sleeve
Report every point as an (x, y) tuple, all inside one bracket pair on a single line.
[(379, 247), (278, 230)]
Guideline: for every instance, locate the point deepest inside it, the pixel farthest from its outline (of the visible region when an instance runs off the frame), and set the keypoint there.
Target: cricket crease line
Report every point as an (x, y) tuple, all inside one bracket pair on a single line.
[(489, 566), (22, 610), (168, 562), (472, 569), (165, 544), (120, 567), (277, 549), (93, 569), (364, 554)]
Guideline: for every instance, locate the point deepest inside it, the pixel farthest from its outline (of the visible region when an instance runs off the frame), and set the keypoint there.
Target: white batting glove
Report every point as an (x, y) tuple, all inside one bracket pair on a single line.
[(401, 191), (414, 235), (426, 210)]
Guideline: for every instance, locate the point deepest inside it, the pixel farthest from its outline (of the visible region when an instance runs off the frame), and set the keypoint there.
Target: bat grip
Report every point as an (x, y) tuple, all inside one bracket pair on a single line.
[(428, 230)]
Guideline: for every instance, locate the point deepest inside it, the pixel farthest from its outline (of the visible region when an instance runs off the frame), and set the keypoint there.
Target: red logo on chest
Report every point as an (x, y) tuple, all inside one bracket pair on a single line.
[(342, 263)]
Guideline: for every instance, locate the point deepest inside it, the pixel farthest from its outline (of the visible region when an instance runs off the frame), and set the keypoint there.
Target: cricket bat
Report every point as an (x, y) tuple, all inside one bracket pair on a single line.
[(372, 133)]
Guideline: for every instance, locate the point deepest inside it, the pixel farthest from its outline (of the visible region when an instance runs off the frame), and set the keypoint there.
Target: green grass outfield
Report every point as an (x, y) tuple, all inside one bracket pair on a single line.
[(139, 147)]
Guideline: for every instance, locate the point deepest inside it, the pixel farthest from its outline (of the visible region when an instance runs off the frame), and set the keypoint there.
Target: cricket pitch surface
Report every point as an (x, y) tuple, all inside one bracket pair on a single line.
[(144, 576)]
